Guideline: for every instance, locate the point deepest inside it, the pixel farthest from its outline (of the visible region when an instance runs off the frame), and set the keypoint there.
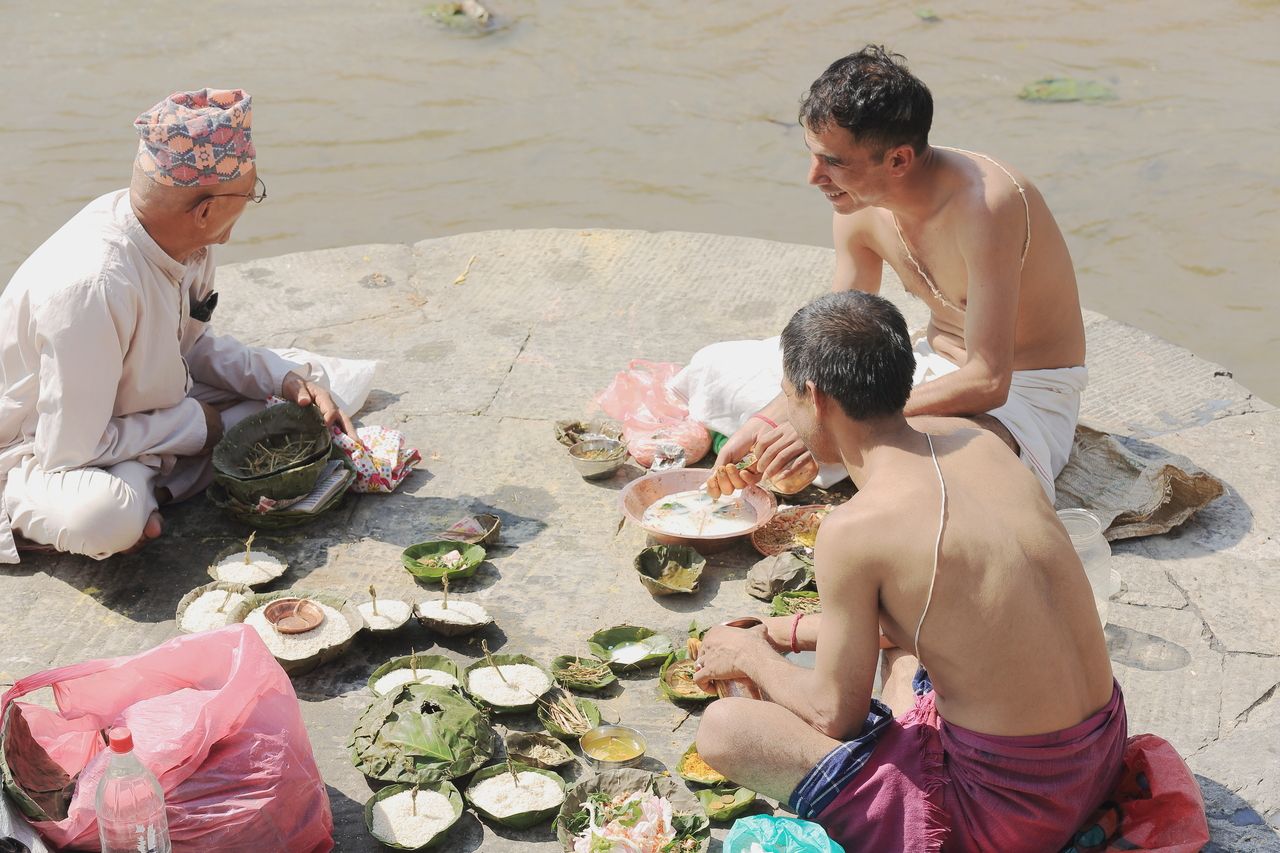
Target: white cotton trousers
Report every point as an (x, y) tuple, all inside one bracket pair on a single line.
[(98, 512)]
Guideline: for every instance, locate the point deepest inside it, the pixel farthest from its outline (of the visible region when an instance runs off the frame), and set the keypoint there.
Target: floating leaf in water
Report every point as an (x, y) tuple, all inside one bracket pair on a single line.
[(927, 15), (468, 15), (1065, 90)]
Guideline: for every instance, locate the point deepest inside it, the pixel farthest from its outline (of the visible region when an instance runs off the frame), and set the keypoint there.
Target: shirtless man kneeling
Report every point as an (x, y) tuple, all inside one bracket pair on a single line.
[(969, 236), (950, 546)]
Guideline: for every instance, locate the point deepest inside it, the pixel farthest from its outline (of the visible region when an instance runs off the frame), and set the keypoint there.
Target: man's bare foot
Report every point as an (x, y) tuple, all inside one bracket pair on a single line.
[(151, 530)]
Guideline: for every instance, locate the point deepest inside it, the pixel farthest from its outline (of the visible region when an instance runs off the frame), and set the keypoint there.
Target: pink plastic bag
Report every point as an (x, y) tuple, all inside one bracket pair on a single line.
[(213, 716), (651, 413)]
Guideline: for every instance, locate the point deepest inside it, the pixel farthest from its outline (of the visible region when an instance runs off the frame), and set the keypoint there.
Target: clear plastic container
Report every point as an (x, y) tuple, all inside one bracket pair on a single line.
[(1085, 530), (130, 803)]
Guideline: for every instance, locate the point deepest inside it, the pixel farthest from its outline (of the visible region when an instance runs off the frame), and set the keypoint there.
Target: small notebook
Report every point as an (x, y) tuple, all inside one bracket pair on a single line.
[(331, 480)]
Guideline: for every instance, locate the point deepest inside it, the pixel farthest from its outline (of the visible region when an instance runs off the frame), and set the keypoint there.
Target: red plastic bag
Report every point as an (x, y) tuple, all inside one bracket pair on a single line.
[(1157, 806), (213, 716), (651, 413)]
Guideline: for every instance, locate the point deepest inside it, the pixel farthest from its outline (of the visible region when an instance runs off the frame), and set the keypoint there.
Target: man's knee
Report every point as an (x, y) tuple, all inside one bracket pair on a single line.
[(97, 515), (105, 522), (715, 738)]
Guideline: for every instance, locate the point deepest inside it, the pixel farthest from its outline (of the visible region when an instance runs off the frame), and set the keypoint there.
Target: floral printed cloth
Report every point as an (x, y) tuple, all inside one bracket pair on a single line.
[(380, 458)]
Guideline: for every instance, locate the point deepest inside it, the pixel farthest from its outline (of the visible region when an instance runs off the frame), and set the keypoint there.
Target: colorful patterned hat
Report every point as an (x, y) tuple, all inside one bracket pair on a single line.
[(196, 139)]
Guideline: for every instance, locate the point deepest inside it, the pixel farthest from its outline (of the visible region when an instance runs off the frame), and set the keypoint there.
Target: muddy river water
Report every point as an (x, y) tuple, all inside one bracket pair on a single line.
[(374, 124)]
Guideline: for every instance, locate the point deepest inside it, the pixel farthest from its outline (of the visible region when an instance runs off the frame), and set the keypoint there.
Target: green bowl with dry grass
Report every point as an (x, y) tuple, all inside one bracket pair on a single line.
[(567, 716), (426, 560), (670, 569), (796, 601), (277, 453), (579, 673)]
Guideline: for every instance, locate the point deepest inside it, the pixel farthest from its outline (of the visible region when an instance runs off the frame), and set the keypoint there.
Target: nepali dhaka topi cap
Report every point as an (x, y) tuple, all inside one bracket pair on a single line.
[(196, 139)]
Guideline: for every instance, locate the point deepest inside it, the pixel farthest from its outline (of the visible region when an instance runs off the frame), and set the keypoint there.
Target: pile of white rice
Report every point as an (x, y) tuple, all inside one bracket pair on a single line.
[(397, 678), (261, 568), (458, 612), (394, 819), (501, 796), (523, 684), (392, 613), (202, 613), (334, 630)]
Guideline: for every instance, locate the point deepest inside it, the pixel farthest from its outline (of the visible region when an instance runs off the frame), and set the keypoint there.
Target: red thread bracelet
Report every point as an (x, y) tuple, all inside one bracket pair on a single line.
[(769, 421), (795, 626)]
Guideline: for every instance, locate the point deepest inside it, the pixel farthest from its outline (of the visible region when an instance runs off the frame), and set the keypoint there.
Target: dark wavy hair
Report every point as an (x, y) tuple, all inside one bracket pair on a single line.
[(872, 95), (853, 347)]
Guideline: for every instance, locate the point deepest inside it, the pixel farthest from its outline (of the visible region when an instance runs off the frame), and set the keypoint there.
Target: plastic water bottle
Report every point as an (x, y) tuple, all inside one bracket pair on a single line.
[(130, 803)]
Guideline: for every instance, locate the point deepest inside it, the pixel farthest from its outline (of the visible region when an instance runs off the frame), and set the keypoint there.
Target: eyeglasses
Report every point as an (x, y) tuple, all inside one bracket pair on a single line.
[(259, 193)]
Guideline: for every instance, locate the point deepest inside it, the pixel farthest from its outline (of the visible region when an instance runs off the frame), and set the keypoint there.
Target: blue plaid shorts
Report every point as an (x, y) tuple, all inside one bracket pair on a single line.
[(824, 782)]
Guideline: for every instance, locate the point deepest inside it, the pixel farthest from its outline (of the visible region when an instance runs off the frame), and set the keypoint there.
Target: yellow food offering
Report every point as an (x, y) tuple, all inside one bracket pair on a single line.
[(695, 767)]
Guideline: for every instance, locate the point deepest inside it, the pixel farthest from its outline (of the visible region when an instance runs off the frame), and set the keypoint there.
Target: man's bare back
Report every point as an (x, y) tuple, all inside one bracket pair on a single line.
[(976, 194), (1011, 639)]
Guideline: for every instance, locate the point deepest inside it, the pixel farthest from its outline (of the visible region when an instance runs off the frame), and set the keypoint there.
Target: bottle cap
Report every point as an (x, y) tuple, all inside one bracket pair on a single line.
[(121, 740)]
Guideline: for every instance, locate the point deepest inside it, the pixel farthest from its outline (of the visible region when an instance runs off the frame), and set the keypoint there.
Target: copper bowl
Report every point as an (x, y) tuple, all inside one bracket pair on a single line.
[(293, 615), (642, 493)]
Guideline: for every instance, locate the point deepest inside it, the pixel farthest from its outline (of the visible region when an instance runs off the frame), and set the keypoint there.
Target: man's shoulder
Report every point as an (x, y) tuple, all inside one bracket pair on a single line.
[(86, 255), (860, 529)]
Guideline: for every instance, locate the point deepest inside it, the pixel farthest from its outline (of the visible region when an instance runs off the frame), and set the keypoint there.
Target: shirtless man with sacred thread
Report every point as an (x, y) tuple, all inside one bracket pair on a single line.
[(967, 234), (1017, 729)]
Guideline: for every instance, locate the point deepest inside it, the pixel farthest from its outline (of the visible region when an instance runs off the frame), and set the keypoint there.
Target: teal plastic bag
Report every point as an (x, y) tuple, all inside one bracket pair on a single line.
[(778, 835)]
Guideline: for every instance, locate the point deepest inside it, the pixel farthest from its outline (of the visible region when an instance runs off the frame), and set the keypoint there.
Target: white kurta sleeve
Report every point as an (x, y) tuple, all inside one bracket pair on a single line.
[(81, 338), (223, 362)]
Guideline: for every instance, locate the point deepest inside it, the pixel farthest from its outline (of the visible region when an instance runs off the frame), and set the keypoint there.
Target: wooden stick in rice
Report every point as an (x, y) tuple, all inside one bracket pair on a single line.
[(484, 647), (413, 803), (373, 594), (248, 547), (225, 601), (444, 582)]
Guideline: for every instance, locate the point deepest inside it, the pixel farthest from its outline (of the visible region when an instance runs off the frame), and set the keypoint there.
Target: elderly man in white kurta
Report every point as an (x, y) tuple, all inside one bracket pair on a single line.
[(113, 390)]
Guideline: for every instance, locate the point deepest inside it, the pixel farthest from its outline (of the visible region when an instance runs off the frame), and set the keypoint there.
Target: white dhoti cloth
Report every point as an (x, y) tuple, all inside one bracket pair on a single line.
[(98, 512), (726, 383)]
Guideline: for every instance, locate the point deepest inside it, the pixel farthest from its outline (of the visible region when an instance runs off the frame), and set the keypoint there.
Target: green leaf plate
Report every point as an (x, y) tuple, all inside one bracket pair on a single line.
[(520, 820), (620, 646), (445, 788), (472, 557)]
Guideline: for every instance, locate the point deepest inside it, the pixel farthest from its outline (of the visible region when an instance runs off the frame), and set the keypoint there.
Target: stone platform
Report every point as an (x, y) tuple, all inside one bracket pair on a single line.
[(476, 372)]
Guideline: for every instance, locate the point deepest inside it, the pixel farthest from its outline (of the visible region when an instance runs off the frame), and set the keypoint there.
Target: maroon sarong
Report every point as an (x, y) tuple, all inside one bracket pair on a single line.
[(932, 786)]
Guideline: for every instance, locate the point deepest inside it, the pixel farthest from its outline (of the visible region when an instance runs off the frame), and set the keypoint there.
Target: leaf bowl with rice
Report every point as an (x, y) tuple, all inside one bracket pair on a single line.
[(516, 795), (412, 817), (507, 684)]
